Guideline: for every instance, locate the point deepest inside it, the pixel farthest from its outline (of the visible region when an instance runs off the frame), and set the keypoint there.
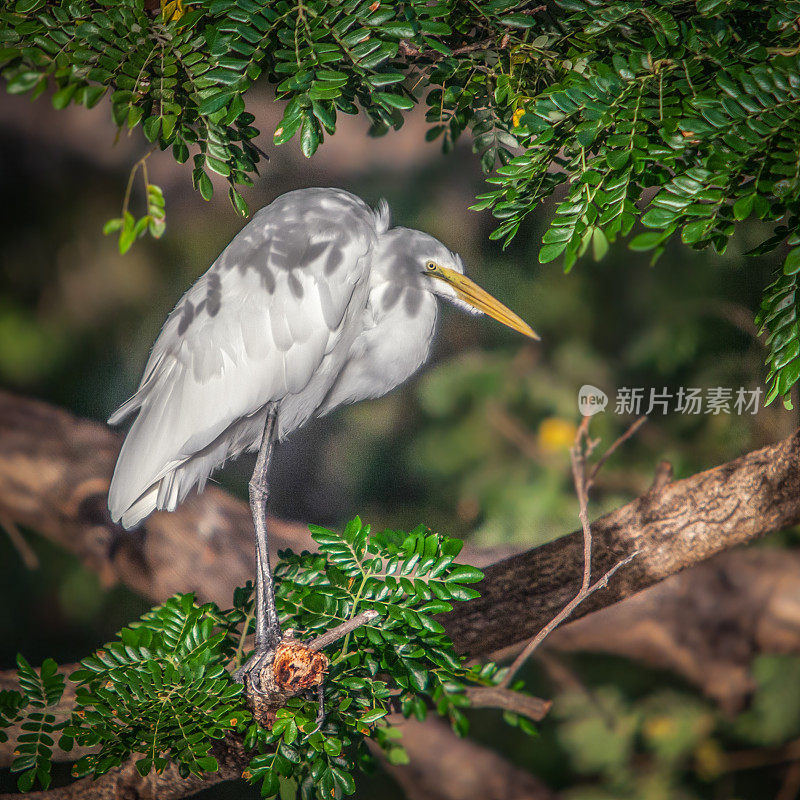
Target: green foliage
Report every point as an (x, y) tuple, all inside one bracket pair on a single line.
[(682, 116), (182, 76), (168, 73), (774, 715), (130, 228), (701, 107), (669, 742), (403, 659), (778, 319), (29, 708), (647, 748), (162, 693)]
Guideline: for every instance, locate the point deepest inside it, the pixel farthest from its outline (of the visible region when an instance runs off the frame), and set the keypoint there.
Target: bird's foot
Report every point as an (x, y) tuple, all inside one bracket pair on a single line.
[(321, 710), (251, 673), (272, 675)]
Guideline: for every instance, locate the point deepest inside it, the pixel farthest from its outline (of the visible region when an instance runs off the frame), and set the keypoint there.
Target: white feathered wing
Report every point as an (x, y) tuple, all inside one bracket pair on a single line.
[(271, 322)]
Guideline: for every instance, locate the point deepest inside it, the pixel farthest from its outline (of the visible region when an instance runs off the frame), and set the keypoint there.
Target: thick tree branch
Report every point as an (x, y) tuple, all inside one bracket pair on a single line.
[(54, 474), (673, 527), (706, 624), (126, 782), (54, 470)]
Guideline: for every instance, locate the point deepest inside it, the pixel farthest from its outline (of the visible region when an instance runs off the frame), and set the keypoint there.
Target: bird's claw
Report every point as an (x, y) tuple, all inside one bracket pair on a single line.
[(249, 674), (321, 712)]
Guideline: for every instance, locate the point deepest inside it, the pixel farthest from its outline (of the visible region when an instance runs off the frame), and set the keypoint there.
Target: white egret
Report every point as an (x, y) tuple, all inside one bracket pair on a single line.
[(316, 303)]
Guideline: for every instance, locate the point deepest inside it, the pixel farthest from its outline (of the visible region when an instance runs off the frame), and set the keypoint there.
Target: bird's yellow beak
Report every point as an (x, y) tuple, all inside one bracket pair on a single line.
[(470, 292)]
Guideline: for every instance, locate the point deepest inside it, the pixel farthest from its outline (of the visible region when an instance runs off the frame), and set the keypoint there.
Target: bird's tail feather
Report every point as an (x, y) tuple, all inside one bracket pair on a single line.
[(140, 509), (163, 495), (138, 487)]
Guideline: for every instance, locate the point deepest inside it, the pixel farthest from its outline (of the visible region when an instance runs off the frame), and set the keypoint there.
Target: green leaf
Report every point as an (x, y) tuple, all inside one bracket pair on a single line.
[(393, 100), (62, 97), (372, 716), (743, 207), (791, 264), (23, 82), (551, 251), (112, 225), (646, 241), (239, 203), (205, 187), (151, 128), (519, 20), (599, 244), (309, 136)]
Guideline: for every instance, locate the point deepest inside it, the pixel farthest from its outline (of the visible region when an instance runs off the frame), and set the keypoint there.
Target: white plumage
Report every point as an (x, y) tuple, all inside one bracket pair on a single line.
[(315, 303)]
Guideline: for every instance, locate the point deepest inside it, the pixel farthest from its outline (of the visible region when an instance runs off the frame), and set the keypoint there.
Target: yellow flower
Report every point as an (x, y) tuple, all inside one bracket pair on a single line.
[(659, 727), (555, 435), (517, 116)]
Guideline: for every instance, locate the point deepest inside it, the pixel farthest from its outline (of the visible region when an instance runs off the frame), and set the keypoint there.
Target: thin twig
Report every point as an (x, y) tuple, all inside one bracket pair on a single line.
[(526, 705), (411, 51), (334, 634), (662, 477), (579, 454), (534, 643), (758, 758), (610, 452)]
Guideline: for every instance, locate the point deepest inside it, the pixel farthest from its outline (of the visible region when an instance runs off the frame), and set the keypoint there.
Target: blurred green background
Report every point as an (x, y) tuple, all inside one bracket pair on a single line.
[(475, 445)]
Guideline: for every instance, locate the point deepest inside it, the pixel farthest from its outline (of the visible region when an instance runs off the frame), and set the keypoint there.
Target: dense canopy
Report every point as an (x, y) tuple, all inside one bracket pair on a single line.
[(680, 115)]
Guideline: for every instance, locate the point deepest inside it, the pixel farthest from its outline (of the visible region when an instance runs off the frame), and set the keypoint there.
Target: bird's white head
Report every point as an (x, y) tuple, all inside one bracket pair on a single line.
[(417, 258)]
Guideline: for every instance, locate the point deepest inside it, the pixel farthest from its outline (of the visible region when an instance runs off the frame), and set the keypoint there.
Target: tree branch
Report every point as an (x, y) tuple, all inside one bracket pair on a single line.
[(126, 782), (682, 524), (55, 469), (706, 624), (499, 697)]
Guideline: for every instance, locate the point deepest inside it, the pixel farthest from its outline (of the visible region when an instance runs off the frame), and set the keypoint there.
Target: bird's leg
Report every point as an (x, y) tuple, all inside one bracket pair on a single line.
[(268, 629)]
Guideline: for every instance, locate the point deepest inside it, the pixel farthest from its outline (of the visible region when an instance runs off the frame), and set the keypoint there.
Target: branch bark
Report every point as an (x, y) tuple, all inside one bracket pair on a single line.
[(126, 782), (706, 624), (673, 526), (55, 469)]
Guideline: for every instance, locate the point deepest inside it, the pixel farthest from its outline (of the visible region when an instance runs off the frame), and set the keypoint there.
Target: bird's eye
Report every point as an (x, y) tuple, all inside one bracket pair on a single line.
[(430, 266)]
